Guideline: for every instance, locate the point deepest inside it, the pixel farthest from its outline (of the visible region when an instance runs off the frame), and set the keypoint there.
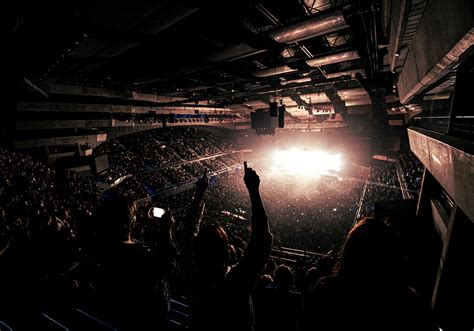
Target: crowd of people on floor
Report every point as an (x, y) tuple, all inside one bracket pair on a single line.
[(65, 248), (412, 170), (383, 185)]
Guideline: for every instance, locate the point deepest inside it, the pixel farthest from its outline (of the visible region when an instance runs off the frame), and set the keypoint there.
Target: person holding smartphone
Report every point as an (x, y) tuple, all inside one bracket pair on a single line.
[(158, 226), (132, 277), (157, 212)]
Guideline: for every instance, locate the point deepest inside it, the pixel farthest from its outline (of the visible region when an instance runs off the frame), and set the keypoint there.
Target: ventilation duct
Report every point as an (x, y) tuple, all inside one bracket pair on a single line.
[(316, 26), (238, 108), (351, 73), (156, 98), (355, 93), (273, 71), (334, 58), (358, 102), (359, 110), (296, 81), (271, 91), (196, 88), (233, 52), (314, 98), (256, 104), (287, 101)]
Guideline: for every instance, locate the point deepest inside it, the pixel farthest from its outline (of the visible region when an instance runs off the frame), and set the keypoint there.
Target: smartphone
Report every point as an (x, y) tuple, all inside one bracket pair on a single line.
[(158, 212)]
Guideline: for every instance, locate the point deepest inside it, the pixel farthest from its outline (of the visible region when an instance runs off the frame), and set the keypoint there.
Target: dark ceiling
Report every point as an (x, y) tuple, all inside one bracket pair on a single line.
[(212, 51)]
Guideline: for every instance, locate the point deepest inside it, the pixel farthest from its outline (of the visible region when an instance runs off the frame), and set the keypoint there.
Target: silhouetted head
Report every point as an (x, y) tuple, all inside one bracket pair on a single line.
[(115, 219), (311, 277), (264, 281), (211, 248), (152, 228), (325, 265), (370, 253), (283, 277), (270, 267)]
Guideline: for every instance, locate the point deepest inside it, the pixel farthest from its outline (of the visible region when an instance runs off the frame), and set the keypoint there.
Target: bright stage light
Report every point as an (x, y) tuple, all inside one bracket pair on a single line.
[(307, 163)]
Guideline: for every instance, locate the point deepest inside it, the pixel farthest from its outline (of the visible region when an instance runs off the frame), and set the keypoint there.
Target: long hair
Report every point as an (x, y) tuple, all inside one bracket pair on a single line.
[(370, 253), (115, 219), (211, 248)]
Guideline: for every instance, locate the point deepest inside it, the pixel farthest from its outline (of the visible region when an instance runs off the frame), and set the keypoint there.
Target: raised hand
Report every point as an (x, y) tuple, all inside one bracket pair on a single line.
[(251, 179), (166, 221), (202, 184)]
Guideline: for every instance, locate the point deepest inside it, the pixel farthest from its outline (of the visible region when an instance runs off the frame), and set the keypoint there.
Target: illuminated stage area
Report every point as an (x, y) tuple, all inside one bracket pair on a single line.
[(308, 163)]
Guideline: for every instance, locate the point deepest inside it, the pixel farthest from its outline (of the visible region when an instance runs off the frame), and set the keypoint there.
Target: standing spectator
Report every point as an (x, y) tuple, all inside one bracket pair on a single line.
[(283, 306), (221, 294), (367, 292), (131, 277)]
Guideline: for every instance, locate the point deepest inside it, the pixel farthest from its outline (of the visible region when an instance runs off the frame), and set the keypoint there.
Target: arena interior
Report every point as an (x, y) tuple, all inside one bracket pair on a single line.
[(251, 165)]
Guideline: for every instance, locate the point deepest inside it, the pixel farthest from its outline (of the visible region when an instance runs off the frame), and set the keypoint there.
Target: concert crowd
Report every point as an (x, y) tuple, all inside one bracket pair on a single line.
[(238, 248)]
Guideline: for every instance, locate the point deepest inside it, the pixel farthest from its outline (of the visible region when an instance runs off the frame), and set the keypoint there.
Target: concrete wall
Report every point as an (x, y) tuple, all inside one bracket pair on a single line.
[(73, 107), (91, 140), (445, 32), (450, 161), (62, 124)]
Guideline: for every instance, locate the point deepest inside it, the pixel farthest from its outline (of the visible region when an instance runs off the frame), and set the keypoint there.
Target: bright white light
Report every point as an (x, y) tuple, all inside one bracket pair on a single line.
[(307, 163)]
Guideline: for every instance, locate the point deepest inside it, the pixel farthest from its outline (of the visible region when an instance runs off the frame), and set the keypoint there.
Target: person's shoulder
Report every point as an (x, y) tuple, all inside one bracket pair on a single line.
[(295, 293), (327, 282), (135, 251), (415, 310), (327, 286), (296, 297), (270, 289)]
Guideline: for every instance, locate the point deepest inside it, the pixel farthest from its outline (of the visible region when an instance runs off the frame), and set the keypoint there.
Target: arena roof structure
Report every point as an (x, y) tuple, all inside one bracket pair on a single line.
[(348, 57)]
